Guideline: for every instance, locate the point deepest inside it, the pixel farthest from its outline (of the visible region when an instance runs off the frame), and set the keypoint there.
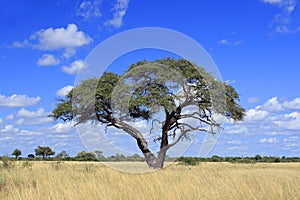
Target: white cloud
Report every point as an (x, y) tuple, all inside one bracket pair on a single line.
[(1, 121), (294, 104), (9, 117), (272, 1), (29, 133), (5, 138), (48, 60), (31, 114), (76, 66), (292, 142), (68, 38), (282, 21), (119, 10), (290, 121), (234, 142), (255, 114), (34, 121), (272, 118), (253, 99), (64, 91), (33, 117), (231, 43), (89, 9), (236, 129), (18, 44), (269, 140), (9, 129), (62, 128), (272, 105), (286, 5), (18, 101)]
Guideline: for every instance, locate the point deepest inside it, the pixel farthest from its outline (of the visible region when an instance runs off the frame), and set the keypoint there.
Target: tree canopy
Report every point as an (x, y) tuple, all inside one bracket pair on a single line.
[(44, 151), (189, 97), (17, 153)]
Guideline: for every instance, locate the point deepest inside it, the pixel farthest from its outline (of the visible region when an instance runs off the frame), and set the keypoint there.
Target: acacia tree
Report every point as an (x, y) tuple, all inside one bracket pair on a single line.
[(17, 153), (44, 151), (145, 90)]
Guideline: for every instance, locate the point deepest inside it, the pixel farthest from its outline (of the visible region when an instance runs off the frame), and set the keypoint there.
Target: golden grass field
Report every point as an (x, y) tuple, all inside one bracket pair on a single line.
[(88, 181)]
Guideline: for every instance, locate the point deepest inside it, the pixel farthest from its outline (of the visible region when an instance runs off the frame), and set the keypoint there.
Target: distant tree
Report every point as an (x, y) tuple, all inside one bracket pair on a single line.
[(62, 155), (44, 151), (86, 155), (157, 90), (257, 158), (81, 154), (216, 158), (16, 153), (99, 154), (135, 157), (90, 155), (30, 155)]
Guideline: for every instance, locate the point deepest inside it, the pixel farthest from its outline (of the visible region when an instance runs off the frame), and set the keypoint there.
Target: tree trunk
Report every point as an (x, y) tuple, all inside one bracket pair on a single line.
[(151, 160), (161, 158)]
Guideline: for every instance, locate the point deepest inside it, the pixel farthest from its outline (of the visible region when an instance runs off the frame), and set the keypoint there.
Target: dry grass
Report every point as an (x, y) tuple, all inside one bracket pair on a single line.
[(71, 180)]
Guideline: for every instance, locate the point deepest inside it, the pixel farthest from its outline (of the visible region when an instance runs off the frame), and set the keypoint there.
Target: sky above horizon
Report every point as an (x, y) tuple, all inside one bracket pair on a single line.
[(254, 44)]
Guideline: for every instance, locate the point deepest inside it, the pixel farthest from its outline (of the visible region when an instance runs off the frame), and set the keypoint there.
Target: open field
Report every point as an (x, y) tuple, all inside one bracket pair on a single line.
[(74, 180)]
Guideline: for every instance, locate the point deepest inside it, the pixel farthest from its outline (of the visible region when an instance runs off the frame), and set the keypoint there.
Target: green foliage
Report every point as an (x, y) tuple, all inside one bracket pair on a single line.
[(252, 160), (86, 156), (188, 161), (44, 151), (17, 153), (147, 88), (62, 155), (91, 106)]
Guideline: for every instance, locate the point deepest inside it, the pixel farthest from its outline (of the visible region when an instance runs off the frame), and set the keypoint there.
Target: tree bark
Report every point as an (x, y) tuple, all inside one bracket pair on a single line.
[(151, 160)]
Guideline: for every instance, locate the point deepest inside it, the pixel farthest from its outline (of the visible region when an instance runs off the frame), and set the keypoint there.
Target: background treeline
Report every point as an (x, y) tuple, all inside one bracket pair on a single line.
[(255, 159), (46, 153)]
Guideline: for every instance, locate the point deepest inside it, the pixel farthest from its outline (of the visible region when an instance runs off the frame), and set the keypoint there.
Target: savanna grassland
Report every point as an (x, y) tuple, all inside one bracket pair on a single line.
[(81, 180)]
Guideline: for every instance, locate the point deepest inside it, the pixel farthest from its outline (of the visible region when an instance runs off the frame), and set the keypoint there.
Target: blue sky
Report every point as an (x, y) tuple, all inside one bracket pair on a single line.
[(254, 43)]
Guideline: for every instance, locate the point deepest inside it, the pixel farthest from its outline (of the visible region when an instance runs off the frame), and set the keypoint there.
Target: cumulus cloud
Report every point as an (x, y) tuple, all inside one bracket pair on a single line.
[(76, 66), (282, 21), (291, 122), (64, 90), (30, 114), (27, 117), (119, 10), (9, 129), (294, 104), (61, 128), (272, 105), (89, 9), (255, 114), (274, 117), (48, 60), (18, 101), (68, 39)]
